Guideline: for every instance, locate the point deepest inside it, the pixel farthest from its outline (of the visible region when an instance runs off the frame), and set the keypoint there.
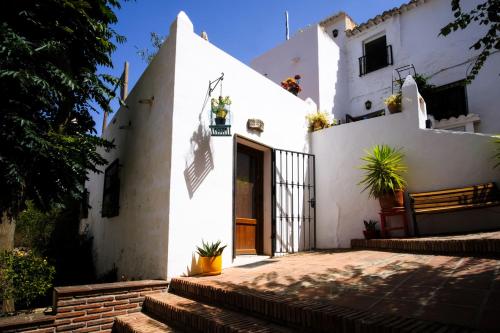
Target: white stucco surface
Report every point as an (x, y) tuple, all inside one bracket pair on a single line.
[(414, 37), (136, 241), (435, 159), (177, 180), (201, 203)]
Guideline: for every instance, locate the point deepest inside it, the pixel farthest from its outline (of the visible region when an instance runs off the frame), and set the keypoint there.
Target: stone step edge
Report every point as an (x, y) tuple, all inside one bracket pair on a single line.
[(301, 314), (462, 246), (200, 317), (122, 324)]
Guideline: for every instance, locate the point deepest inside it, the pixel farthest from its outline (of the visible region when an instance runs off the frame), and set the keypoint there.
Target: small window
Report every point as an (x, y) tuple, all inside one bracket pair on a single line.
[(377, 54), (447, 101), (111, 191)]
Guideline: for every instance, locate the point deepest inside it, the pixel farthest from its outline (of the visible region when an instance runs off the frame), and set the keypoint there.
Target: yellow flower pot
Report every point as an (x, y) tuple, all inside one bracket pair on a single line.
[(211, 265)]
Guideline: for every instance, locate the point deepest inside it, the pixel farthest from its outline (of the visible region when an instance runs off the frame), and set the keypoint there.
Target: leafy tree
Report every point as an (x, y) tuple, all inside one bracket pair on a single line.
[(486, 13), (146, 54), (49, 55)]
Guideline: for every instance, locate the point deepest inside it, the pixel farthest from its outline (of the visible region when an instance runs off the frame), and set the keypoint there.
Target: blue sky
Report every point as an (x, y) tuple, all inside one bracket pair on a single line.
[(244, 29)]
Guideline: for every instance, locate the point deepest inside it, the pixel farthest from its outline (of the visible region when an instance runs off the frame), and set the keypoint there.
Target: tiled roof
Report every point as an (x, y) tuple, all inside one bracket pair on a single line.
[(331, 19), (356, 29), (384, 16)]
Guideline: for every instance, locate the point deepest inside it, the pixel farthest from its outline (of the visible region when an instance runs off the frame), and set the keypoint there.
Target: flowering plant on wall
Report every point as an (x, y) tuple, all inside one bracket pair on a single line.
[(319, 120), (292, 84), (220, 106)]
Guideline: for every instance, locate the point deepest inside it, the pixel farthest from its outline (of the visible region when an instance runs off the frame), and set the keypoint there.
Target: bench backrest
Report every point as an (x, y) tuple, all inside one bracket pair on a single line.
[(477, 194)]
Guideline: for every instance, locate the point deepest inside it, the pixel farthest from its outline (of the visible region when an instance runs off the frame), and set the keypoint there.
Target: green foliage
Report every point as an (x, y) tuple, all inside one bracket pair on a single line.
[(210, 250), (34, 228), (49, 54), (383, 168), (318, 120), (370, 225), (393, 100), (24, 276), (487, 14), (146, 54)]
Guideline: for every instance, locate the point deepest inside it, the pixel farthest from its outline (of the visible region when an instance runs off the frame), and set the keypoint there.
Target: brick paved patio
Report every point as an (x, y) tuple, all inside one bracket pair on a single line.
[(463, 291)]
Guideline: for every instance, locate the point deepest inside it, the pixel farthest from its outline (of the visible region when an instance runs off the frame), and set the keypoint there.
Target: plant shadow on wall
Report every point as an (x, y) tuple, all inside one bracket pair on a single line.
[(200, 161)]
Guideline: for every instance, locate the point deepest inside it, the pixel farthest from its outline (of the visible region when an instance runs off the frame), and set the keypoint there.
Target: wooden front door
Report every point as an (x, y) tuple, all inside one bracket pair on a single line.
[(249, 204)]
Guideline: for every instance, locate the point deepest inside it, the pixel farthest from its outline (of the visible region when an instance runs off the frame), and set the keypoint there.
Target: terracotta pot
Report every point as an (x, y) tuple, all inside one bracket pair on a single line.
[(317, 125), (211, 265), (399, 198), (371, 234), (386, 201), (391, 200), (394, 108)]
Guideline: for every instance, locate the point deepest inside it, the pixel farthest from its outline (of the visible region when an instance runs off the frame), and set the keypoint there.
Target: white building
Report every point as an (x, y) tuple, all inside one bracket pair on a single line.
[(344, 65), (171, 182)]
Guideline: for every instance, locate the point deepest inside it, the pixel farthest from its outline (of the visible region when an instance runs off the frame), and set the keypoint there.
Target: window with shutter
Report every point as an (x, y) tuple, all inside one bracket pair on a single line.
[(111, 191)]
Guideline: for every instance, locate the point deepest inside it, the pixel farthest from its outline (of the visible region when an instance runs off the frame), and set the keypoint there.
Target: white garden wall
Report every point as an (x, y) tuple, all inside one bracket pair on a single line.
[(435, 160), (135, 241), (201, 196)]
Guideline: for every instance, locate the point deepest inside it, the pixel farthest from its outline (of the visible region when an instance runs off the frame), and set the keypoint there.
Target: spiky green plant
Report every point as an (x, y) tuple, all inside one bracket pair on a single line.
[(383, 170), (210, 250), (370, 225)]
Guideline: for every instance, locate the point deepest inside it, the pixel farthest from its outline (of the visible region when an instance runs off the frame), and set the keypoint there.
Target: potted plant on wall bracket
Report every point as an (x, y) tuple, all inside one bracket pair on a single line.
[(220, 108), (211, 257), (383, 175)]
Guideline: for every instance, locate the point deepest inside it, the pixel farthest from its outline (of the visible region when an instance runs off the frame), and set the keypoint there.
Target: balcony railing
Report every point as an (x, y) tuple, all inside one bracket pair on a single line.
[(372, 62)]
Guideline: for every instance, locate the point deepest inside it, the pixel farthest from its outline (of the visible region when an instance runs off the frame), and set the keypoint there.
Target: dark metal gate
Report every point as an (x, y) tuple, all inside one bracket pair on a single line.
[(293, 202)]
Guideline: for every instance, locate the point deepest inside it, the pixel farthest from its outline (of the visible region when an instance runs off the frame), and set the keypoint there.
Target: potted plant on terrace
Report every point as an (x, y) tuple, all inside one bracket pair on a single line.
[(318, 120), (383, 175), (220, 107), (211, 257), (393, 103), (292, 84), (370, 231)]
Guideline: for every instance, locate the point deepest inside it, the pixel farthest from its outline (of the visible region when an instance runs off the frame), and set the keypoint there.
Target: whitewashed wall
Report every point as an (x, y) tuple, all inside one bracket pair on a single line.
[(414, 36), (435, 159), (201, 196), (136, 240), (298, 55)]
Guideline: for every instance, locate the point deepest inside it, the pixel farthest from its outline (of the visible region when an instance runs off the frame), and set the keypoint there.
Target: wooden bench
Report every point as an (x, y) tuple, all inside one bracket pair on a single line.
[(477, 196)]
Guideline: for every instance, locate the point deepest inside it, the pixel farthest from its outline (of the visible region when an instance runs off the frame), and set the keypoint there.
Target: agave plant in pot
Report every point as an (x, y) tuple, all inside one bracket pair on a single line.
[(371, 231), (383, 175), (211, 257)]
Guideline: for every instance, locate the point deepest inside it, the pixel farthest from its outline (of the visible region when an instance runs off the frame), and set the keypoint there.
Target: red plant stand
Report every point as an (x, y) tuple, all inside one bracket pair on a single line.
[(396, 211)]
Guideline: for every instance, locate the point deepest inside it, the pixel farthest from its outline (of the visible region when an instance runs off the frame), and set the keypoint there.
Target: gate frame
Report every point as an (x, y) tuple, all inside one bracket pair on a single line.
[(312, 201)]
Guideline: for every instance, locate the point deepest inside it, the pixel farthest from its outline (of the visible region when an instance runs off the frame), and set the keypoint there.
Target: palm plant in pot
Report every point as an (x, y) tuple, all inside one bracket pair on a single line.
[(383, 175), (211, 257)]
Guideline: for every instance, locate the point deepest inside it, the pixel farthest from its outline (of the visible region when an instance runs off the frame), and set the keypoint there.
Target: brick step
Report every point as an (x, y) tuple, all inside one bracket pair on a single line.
[(455, 246), (194, 316), (303, 315), (140, 323)]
